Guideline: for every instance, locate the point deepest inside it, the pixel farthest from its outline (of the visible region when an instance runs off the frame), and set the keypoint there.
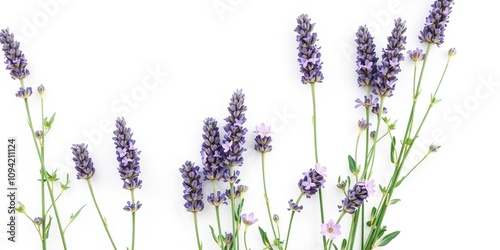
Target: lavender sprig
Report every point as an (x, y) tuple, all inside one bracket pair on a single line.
[(14, 57), (128, 166), (85, 170), (309, 55), (436, 22), (392, 55), (193, 193), (234, 139)]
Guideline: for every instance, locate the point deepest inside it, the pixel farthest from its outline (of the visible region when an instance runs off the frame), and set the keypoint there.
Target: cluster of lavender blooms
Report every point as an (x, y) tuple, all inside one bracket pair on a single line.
[(193, 192), (309, 55), (14, 57), (436, 22), (83, 162), (128, 158), (356, 196)]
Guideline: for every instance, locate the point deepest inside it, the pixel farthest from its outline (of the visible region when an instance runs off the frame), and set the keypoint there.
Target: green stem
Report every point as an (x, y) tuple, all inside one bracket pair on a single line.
[(262, 156), (290, 223), (245, 237), (43, 174), (320, 193), (195, 215), (103, 220), (133, 219), (231, 193), (217, 213)]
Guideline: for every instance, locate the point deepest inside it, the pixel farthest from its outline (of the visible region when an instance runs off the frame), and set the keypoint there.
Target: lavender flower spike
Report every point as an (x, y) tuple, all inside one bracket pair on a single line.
[(436, 22), (83, 163), (392, 55), (211, 150), (234, 139), (355, 197), (311, 182), (15, 60), (309, 55), (193, 193), (263, 139), (127, 156), (366, 59)]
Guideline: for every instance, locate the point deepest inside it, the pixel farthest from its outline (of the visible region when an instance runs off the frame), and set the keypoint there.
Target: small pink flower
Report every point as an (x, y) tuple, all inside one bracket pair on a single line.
[(320, 170), (370, 186), (330, 229), (248, 219), (263, 130)]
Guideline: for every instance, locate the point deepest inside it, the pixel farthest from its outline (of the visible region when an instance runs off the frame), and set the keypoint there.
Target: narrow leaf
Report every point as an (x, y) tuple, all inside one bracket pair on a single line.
[(77, 213), (393, 149), (388, 238), (394, 201), (352, 165), (265, 240)]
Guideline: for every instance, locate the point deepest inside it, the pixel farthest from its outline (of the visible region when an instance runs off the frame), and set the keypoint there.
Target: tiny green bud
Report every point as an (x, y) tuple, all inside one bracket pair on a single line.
[(452, 52)]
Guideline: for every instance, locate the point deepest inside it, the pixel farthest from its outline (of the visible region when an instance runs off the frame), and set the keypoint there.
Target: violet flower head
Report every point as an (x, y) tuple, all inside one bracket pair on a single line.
[(217, 199), (392, 55), (132, 207), (436, 22), (14, 57), (416, 55), (263, 139), (193, 192), (127, 156), (294, 206), (83, 163), (24, 93), (211, 150), (366, 58), (355, 197), (309, 55), (234, 139), (368, 102), (311, 182)]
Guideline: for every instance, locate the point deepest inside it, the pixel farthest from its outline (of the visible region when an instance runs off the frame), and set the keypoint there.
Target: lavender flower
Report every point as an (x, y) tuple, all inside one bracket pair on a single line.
[(15, 60), (24, 93), (366, 59), (330, 229), (355, 197), (311, 182), (132, 207), (263, 138), (83, 163), (234, 139), (362, 124), (294, 207), (392, 55), (193, 193), (127, 156), (368, 102), (37, 221), (218, 199), (211, 150), (376, 110), (416, 55), (436, 22), (309, 55)]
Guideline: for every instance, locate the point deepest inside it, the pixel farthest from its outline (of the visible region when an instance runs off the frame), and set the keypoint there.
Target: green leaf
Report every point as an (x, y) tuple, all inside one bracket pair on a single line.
[(394, 201), (73, 216), (352, 165), (47, 228), (400, 181), (213, 236), (344, 244), (388, 238), (265, 240)]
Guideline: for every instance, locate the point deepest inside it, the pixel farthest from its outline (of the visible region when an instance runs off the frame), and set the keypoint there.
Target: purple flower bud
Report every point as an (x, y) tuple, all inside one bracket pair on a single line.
[(311, 182), (218, 199), (14, 57), (416, 55), (294, 207), (249, 219), (263, 139), (132, 207), (24, 93), (355, 197), (83, 163)]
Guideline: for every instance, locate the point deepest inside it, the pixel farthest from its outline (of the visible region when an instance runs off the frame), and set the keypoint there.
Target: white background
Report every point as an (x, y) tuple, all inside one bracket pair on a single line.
[(96, 59)]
